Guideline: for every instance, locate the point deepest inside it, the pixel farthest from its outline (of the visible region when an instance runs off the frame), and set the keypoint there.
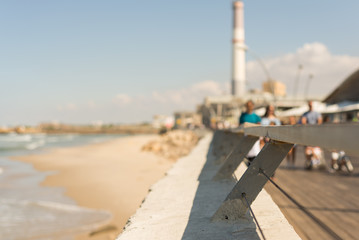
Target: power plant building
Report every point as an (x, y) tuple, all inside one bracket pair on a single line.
[(276, 88)]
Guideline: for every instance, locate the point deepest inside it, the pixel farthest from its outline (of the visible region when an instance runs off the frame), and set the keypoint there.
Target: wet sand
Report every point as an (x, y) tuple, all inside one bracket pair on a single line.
[(113, 176)]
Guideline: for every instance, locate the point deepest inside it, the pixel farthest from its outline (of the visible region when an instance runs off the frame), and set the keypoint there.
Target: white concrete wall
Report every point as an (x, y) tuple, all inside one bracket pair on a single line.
[(181, 204)]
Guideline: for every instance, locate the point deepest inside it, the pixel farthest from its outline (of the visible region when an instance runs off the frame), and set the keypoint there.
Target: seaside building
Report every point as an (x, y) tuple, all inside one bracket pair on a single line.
[(186, 119), (274, 87), (341, 105), (219, 110), (225, 110), (343, 102), (163, 121)]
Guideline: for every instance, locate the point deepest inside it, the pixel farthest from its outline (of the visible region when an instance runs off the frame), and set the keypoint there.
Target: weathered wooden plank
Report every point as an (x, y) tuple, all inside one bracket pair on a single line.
[(252, 181), (333, 198), (329, 136), (228, 142), (236, 157), (221, 141), (216, 140)]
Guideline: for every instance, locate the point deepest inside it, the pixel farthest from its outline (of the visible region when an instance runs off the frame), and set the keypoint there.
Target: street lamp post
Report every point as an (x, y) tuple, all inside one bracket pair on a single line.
[(266, 72), (295, 89), (310, 77), (261, 63)]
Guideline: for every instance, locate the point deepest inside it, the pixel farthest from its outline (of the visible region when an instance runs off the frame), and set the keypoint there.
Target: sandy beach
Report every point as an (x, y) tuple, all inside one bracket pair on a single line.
[(113, 176)]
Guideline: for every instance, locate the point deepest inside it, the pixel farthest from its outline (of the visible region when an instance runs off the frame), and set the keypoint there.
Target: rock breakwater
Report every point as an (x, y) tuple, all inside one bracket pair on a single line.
[(173, 145)]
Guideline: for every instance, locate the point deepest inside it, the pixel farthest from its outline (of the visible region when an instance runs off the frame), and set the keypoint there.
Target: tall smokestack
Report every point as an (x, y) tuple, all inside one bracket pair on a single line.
[(239, 56)]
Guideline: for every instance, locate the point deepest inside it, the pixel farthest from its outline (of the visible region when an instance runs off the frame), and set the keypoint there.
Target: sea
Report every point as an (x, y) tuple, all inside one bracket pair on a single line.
[(30, 211)]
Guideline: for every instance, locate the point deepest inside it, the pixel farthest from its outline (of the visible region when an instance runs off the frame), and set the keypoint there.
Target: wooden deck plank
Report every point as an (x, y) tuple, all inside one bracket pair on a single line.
[(331, 197)]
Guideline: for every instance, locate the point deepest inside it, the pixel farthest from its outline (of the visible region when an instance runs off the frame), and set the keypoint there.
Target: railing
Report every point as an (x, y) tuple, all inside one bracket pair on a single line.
[(231, 146)]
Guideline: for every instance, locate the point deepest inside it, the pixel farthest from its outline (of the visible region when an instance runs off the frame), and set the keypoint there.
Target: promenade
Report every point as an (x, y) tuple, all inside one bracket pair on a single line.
[(331, 197), (180, 206)]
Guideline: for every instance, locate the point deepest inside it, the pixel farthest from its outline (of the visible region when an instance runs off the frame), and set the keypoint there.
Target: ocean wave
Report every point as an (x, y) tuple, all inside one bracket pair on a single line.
[(61, 138), (43, 219), (14, 142), (11, 137), (35, 145)]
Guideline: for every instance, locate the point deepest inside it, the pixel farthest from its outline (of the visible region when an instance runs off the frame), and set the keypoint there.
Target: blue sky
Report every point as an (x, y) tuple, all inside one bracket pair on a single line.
[(124, 61)]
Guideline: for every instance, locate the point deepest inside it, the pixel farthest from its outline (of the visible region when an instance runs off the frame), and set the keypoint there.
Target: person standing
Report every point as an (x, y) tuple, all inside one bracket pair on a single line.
[(312, 117), (291, 155), (269, 117), (250, 117)]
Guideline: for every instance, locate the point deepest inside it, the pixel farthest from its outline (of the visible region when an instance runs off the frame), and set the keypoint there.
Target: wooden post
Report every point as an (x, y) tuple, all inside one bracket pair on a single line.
[(224, 144), (236, 157), (216, 141), (252, 181)]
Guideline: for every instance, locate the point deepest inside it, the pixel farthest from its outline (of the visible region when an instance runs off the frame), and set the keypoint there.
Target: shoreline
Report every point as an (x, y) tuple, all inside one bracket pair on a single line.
[(114, 175)]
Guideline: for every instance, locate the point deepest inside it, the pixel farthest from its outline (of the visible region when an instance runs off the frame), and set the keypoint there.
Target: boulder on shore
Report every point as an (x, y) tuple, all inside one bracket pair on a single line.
[(173, 145)]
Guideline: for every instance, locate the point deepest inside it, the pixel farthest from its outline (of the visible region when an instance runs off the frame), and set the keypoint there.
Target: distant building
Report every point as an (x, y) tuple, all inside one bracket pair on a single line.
[(343, 102), (276, 88), (218, 109), (225, 110), (342, 105), (163, 121), (185, 119)]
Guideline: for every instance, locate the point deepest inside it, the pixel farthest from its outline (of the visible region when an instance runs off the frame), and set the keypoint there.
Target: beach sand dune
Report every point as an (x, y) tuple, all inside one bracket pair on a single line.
[(113, 176)]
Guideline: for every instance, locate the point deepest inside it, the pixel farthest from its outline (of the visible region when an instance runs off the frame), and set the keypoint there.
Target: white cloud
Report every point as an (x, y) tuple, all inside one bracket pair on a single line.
[(71, 107), (328, 70), (91, 104), (208, 87), (67, 107), (166, 102), (157, 97), (188, 97), (122, 99)]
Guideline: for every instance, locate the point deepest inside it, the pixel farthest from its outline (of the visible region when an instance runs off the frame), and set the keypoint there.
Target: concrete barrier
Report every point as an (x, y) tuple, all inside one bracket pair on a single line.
[(181, 205)]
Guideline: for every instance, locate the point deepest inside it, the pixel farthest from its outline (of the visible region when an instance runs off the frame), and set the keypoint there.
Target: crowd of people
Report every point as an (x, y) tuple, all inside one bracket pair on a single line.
[(310, 117)]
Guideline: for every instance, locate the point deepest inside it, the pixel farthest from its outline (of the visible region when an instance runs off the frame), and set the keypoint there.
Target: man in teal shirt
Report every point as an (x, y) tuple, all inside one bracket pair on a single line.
[(249, 115)]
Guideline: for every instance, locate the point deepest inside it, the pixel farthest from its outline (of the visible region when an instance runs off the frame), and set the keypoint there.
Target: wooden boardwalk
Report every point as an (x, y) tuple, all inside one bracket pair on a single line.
[(331, 197)]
